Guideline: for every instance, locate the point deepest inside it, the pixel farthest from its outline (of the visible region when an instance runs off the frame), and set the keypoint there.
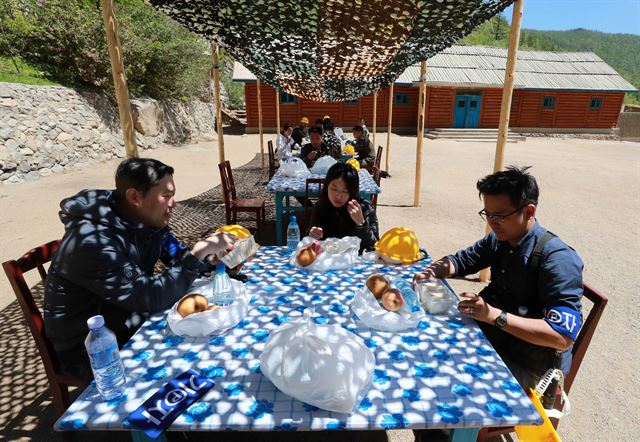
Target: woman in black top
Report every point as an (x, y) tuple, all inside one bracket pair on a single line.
[(341, 212)]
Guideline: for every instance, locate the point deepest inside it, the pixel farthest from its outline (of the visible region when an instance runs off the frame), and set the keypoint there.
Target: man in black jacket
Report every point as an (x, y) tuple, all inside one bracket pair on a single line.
[(105, 263)]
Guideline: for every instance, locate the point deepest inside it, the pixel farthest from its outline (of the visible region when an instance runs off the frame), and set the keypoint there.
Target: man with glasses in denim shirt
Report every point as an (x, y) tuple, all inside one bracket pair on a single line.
[(531, 310)]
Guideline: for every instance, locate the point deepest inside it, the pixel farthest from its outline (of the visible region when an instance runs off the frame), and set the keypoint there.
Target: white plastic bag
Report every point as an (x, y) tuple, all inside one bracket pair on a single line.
[(322, 165), (337, 253), (322, 365), (210, 322), (373, 315), (295, 168)]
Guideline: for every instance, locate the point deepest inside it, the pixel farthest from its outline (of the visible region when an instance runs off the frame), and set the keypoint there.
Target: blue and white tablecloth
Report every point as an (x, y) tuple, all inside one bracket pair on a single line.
[(442, 374), (282, 183)]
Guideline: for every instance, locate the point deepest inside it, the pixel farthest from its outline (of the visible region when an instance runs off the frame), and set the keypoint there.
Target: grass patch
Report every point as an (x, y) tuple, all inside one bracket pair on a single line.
[(22, 72)]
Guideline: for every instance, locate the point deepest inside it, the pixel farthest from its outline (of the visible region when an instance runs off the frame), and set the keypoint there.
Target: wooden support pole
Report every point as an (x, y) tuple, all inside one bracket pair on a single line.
[(507, 94), (422, 102), (277, 112), (389, 124), (259, 86), (375, 117), (215, 72), (119, 77)]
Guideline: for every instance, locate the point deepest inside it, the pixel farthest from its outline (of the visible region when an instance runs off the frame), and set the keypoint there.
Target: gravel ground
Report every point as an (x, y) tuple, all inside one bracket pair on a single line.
[(590, 196)]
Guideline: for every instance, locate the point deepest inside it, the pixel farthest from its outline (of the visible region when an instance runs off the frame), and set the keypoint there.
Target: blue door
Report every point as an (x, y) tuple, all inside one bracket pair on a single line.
[(473, 111), (467, 111), (460, 113)]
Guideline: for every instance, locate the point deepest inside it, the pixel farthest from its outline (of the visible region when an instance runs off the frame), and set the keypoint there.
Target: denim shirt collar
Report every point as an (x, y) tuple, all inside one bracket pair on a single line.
[(528, 239)]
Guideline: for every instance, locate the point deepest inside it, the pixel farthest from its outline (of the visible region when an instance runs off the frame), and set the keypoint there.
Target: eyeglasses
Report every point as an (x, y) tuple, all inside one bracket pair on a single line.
[(488, 217)]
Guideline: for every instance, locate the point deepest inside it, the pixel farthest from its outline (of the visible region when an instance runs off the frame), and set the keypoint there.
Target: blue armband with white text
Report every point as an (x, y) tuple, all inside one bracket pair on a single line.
[(564, 320), (160, 410)]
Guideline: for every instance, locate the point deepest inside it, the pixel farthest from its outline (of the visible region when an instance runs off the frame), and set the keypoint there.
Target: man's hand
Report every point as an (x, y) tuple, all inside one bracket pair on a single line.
[(316, 232), (473, 306), (355, 212), (429, 273), (217, 242), (312, 155)]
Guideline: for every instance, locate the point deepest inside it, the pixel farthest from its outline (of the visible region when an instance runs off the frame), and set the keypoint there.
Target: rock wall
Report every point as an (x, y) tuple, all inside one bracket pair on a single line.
[(50, 129)]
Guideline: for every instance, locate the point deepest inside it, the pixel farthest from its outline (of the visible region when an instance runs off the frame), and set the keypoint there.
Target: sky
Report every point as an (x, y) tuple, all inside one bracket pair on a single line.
[(616, 16)]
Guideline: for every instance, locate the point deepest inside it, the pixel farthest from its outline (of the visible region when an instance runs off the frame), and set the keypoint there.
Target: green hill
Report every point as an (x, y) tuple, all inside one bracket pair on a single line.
[(620, 51)]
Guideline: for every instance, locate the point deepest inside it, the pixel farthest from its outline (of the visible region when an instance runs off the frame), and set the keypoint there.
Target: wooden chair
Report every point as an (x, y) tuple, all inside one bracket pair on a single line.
[(377, 160), (273, 164), (378, 157), (15, 270), (310, 197), (580, 347), (234, 205), (376, 177)]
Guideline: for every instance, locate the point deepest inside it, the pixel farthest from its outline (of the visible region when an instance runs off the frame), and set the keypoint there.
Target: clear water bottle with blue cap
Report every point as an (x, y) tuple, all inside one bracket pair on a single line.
[(293, 234), (222, 288), (102, 348), (408, 294)]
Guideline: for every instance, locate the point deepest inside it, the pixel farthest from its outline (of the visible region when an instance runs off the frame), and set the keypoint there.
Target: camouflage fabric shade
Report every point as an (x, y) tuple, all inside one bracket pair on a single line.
[(332, 50)]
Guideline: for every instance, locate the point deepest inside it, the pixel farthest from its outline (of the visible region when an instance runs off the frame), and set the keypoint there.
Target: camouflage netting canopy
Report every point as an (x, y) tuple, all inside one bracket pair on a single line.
[(331, 50)]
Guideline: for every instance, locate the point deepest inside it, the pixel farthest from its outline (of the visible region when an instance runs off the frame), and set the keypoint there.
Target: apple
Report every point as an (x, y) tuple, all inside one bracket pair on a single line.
[(392, 300), (306, 256), (193, 303), (377, 284)]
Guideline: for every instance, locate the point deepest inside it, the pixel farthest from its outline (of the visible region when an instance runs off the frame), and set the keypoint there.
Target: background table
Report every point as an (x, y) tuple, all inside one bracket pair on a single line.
[(285, 187), (443, 374)]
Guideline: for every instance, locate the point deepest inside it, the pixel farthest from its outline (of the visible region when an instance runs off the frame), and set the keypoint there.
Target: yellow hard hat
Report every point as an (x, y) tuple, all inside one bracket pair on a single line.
[(235, 229), (353, 163), (400, 244), (349, 150), (304, 120), (326, 117)]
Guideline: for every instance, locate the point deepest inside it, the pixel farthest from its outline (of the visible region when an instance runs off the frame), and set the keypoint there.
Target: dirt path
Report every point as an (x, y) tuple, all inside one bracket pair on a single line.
[(590, 196)]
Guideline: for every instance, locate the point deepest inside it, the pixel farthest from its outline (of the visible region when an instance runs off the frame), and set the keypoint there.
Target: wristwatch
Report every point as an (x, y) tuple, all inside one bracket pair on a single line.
[(501, 320)]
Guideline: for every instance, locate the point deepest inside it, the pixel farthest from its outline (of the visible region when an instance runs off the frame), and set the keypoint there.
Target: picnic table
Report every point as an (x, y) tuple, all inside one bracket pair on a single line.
[(284, 187), (442, 374)]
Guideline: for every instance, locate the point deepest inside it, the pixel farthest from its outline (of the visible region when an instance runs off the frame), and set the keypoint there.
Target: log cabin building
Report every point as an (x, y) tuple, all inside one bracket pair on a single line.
[(555, 90)]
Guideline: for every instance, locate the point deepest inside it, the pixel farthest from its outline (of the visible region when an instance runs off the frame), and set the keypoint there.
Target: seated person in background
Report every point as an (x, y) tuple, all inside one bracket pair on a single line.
[(330, 139), (531, 310), (365, 131), (105, 263), (285, 143), (363, 147), (315, 148), (300, 131), (341, 212)]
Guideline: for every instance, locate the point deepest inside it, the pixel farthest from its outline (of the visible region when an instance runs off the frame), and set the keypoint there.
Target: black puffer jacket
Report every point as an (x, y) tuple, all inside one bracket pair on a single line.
[(105, 265), (336, 223)]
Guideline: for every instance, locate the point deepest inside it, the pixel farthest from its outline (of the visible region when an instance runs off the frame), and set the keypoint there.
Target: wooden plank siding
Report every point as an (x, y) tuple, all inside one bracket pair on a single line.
[(571, 108)]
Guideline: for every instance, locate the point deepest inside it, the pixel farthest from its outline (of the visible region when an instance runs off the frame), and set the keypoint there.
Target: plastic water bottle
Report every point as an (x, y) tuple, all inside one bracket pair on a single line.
[(102, 348), (408, 294), (293, 234), (222, 288)]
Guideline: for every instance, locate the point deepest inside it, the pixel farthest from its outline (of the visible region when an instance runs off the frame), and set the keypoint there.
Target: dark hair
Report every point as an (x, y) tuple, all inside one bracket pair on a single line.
[(514, 182), (285, 126), (358, 129), (327, 125), (315, 130), (141, 174), (318, 121), (345, 172)]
